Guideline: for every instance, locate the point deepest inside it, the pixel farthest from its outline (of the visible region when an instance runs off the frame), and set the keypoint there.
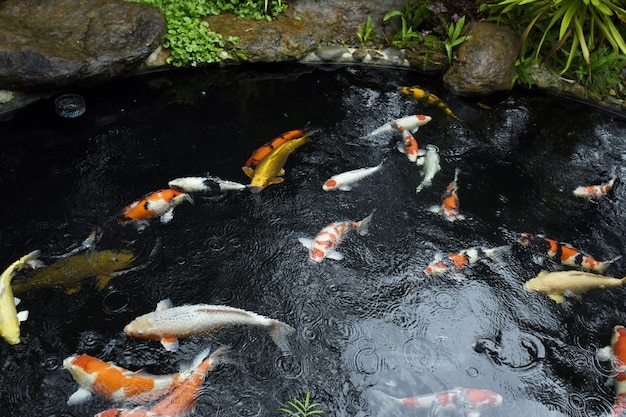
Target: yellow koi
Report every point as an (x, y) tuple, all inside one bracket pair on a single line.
[(424, 95), (270, 169), (9, 317), (557, 285)]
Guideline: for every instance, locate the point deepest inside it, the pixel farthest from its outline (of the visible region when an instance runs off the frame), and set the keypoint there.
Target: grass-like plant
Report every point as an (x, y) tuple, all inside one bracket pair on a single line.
[(302, 409), (364, 30), (454, 36)]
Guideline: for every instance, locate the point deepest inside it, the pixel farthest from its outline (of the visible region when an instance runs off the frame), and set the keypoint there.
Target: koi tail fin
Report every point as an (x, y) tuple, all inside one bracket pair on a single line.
[(30, 260), (604, 265), (495, 254), (279, 332), (364, 224)]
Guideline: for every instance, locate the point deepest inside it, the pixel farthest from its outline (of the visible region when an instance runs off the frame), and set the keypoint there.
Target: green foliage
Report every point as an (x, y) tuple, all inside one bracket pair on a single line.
[(364, 31), (414, 14), (300, 409), (602, 73), (454, 36)]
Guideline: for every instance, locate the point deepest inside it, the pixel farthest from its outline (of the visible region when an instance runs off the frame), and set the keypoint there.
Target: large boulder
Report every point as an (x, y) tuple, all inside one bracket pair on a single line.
[(47, 44), (484, 63)]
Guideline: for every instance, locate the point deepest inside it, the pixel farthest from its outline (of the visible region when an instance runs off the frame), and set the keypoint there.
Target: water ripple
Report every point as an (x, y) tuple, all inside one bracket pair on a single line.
[(290, 366)]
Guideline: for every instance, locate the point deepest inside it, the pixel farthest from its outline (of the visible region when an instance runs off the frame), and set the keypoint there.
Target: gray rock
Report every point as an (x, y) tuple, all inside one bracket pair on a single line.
[(47, 44), (485, 63)]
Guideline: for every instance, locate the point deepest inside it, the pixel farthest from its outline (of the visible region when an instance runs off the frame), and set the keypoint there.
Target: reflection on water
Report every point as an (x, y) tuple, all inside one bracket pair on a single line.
[(373, 322)]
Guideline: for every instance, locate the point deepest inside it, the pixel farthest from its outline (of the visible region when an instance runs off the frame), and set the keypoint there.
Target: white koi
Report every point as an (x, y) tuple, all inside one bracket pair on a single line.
[(345, 180), (412, 123), (430, 167)]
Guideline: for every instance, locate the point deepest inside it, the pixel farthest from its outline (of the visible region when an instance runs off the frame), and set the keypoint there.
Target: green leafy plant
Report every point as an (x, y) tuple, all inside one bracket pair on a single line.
[(411, 18), (603, 73), (454, 36), (302, 409), (364, 31)]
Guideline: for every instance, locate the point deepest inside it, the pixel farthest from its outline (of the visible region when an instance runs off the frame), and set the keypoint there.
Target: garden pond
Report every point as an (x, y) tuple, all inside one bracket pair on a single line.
[(370, 325)]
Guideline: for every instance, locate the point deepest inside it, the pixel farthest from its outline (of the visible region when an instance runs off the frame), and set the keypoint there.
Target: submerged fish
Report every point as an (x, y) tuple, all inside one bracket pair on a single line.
[(457, 262), (204, 184), (564, 253), (157, 204), (409, 145), (68, 273), (430, 99), (325, 243), (412, 123), (450, 206), (263, 151), (168, 323), (616, 353), (430, 167), (469, 401), (557, 285), (181, 398), (270, 169), (345, 180), (594, 192), (9, 317)]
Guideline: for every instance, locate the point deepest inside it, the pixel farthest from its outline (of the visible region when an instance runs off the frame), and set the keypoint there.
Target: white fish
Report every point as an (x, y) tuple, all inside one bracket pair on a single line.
[(168, 323), (345, 180), (203, 184), (411, 123), (430, 167)]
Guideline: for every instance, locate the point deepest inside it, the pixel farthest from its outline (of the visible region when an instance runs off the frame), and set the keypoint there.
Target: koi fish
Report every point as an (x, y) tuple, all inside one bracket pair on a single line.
[(616, 353), (469, 401), (167, 324), (345, 180), (204, 184), (88, 244), (411, 123), (270, 169), (430, 167), (449, 206), (564, 253), (325, 243), (458, 261), (424, 95), (594, 192), (9, 317), (263, 151), (409, 146), (182, 397), (159, 203), (68, 273), (557, 285)]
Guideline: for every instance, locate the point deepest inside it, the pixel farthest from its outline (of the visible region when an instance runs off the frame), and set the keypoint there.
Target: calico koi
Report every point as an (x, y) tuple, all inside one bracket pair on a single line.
[(594, 192), (411, 123), (167, 324), (557, 285), (457, 262), (204, 184), (430, 167), (325, 243), (345, 180), (616, 353), (263, 151), (409, 145), (159, 203), (450, 206), (424, 95), (564, 253)]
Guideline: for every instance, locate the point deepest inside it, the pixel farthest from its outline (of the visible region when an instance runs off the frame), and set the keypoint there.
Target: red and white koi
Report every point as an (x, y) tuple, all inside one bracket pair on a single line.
[(616, 353), (409, 145), (469, 401), (412, 123), (325, 243), (564, 253), (167, 324), (182, 396), (457, 262), (430, 167), (450, 205), (595, 192), (204, 184), (345, 180), (157, 204)]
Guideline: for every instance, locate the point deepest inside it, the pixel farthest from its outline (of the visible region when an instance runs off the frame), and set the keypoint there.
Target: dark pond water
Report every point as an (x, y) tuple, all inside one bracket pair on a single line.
[(373, 322)]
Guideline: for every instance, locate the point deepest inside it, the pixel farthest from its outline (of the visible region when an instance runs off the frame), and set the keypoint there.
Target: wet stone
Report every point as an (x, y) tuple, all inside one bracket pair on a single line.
[(331, 53)]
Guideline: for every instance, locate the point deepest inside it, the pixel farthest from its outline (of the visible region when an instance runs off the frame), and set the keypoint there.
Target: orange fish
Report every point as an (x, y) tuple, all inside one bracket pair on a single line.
[(159, 203), (182, 397), (616, 353), (564, 253), (264, 150), (458, 261), (594, 192), (113, 382), (450, 206), (409, 146)]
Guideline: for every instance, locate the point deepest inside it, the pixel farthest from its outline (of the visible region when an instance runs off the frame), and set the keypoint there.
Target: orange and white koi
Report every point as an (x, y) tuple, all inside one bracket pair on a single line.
[(412, 123), (325, 243), (469, 401), (424, 95), (263, 151), (182, 396), (450, 206), (594, 192), (564, 253), (345, 180), (167, 324), (409, 145), (159, 203), (616, 353), (457, 262), (205, 184)]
